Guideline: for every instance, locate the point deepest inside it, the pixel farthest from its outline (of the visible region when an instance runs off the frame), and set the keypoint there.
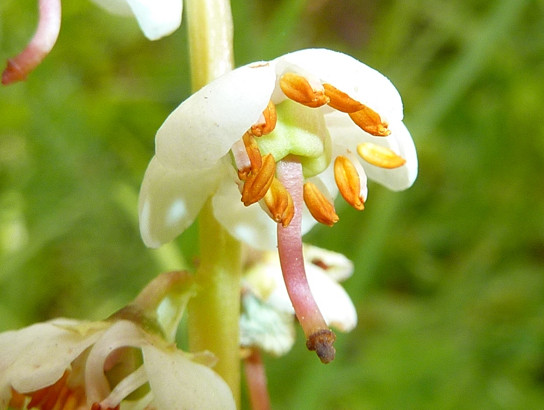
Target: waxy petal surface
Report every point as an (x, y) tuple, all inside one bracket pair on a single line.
[(195, 385), (170, 200), (37, 356), (206, 125), (348, 75), (156, 18)]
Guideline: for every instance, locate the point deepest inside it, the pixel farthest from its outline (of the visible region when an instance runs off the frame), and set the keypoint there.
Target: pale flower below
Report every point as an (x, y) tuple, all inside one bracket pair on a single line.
[(267, 321), (67, 362)]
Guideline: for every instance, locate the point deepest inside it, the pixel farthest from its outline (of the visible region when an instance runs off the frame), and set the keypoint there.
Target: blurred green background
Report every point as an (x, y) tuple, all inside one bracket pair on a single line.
[(449, 281)]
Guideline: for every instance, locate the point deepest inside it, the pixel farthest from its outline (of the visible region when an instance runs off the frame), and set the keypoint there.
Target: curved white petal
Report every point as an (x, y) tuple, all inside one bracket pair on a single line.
[(206, 125), (346, 136), (331, 298), (333, 301), (120, 334), (179, 383), (347, 74), (247, 224), (38, 355), (336, 265), (157, 18), (400, 141), (170, 200)]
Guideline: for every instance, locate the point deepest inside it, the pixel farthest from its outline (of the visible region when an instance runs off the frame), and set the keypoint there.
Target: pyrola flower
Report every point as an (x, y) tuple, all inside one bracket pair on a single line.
[(127, 361), (294, 130)]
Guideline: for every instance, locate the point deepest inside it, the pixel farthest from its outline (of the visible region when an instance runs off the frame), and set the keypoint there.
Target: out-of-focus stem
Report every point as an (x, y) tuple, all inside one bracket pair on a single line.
[(318, 336), (39, 46), (256, 381)]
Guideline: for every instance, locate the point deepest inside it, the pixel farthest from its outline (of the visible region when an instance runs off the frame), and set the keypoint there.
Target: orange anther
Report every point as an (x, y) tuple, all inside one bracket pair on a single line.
[(267, 122), (370, 121), (279, 203), (341, 101), (348, 182), (380, 156), (257, 182), (298, 89), (319, 206), (253, 152)]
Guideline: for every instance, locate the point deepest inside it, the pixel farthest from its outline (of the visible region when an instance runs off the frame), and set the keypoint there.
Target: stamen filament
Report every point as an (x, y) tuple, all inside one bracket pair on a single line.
[(267, 123), (39, 46), (318, 336)]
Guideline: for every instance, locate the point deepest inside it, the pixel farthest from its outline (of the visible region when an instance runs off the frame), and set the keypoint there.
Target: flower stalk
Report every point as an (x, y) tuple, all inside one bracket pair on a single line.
[(214, 312), (39, 46)]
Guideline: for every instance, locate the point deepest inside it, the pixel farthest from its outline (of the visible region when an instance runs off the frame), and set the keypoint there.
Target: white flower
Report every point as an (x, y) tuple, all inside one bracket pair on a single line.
[(199, 147), (73, 364), (268, 317), (157, 18)]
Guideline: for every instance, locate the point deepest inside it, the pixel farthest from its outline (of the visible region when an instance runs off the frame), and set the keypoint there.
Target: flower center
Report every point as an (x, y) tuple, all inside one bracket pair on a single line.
[(294, 128), (59, 396)]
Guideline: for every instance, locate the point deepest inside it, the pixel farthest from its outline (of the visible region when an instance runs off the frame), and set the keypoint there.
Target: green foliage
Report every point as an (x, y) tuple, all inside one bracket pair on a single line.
[(449, 281)]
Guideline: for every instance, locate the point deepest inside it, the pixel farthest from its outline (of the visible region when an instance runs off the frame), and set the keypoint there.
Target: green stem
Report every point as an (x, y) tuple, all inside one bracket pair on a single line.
[(215, 311)]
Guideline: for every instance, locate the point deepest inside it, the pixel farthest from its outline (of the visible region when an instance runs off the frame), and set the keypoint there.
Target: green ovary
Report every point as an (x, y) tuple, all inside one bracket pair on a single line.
[(300, 131)]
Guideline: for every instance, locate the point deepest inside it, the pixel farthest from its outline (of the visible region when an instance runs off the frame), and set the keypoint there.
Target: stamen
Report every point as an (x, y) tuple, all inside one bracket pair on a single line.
[(241, 159), (380, 156), (319, 206), (370, 121), (39, 46), (341, 101), (253, 152), (298, 89), (292, 266), (259, 181), (268, 122), (348, 182), (279, 203)]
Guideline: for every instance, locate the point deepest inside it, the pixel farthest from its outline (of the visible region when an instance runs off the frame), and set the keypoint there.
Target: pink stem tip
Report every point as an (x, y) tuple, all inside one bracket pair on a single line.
[(318, 336), (39, 46)]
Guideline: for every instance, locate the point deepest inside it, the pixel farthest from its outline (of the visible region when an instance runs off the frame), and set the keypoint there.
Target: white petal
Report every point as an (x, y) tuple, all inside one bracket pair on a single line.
[(120, 334), (247, 224), (38, 355), (346, 136), (333, 301), (349, 75), (170, 200), (337, 266), (179, 383), (206, 125), (400, 141), (157, 18), (265, 327)]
